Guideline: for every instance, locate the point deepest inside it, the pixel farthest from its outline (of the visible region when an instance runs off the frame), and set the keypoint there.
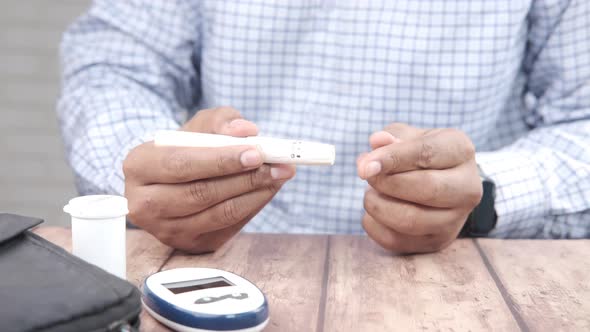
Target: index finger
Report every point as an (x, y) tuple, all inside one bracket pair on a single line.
[(150, 164), (436, 149)]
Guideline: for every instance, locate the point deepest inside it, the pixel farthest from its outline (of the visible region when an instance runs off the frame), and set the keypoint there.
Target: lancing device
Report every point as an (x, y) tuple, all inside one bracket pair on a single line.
[(274, 150)]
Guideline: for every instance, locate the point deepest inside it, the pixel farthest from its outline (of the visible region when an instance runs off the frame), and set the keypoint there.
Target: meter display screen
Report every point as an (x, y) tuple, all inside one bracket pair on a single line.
[(198, 284)]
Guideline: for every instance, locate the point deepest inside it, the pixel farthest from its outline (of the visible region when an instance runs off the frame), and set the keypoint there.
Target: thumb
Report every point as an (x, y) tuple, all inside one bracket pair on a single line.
[(221, 120)]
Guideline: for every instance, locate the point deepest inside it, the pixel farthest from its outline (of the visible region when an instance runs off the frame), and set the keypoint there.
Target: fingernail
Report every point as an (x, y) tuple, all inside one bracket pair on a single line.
[(251, 158), (280, 173), (373, 168)]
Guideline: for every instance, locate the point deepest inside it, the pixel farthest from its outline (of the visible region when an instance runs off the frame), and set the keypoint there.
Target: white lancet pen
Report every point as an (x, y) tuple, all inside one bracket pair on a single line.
[(274, 150)]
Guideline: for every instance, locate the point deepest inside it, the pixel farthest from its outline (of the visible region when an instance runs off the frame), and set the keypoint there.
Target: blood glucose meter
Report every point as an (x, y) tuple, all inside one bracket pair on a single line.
[(203, 299)]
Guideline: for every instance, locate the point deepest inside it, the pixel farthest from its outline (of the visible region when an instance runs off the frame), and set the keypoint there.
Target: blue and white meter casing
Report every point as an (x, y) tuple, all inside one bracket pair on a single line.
[(203, 299)]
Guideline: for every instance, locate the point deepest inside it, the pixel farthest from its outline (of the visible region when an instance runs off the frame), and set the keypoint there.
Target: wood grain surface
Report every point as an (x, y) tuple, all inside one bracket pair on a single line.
[(348, 283), (371, 290), (58, 235), (547, 282), (289, 270), (145, 256)]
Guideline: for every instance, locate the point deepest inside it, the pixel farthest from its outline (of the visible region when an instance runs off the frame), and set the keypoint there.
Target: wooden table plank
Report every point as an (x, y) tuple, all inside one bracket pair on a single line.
[(57, 235), (546, 282), (372, 290), (145, 255), (288, 268)]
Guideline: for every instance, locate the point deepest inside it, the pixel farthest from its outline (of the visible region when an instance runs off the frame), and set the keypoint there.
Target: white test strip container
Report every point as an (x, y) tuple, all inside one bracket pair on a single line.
[(98, 231)]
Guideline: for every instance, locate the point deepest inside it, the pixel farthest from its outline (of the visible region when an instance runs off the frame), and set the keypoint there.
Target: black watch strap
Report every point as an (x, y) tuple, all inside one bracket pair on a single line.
[(483, 218)]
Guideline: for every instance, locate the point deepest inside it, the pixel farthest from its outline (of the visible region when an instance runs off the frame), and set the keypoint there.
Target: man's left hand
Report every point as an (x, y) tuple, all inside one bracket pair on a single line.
[(423, 185)]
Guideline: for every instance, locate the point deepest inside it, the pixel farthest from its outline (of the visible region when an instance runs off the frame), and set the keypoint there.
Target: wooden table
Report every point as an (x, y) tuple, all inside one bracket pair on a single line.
[(347, 283)]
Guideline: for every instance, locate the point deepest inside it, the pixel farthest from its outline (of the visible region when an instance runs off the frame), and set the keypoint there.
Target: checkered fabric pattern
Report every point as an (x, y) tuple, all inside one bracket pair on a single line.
[(513, 74)]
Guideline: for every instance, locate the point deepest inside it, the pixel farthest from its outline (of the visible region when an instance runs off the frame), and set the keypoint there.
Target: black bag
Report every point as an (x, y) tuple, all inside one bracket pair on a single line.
[(44, 288)]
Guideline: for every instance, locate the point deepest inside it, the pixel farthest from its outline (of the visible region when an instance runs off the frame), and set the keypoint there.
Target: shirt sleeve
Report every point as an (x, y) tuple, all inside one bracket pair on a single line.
[(127, 71), (543, 179)]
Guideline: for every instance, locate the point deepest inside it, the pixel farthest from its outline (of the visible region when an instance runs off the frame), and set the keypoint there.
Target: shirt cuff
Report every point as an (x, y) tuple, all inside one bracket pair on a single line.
[(520, 191)]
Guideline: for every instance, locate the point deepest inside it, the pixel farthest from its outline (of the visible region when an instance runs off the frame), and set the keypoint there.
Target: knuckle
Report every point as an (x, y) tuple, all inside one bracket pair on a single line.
[(167, 236), (390, 243), (134, 215), (365, 222), (408, 221), (149, 206), (202, 193), (466, 147), (177, 164), (435, 243), (229, 213), (143, 208), (134, 211), (394, 161), (425, 154), (374, 182), (174, 236), (223, 164), (130, 163), (274, 188), (387, 241), (128, 168), (430, 193), (475, 194), (369, 203), (258, 177), (469, 149)]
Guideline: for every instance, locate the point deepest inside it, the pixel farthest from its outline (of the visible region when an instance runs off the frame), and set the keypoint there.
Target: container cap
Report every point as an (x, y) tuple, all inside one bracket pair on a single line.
[(97, 207)]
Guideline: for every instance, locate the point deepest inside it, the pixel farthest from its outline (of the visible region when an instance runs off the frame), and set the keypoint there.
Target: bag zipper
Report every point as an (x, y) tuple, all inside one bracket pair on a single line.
[(123, 324)]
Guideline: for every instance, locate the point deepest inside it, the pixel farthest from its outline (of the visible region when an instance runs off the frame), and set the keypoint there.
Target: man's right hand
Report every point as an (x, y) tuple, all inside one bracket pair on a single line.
[(195, 199)]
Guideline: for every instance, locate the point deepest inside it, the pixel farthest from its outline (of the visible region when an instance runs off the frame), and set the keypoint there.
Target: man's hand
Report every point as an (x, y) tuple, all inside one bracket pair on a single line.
[(195, 199), (423, 185)]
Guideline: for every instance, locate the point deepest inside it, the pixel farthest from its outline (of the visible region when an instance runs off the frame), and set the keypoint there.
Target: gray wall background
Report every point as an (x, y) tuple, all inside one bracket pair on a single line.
[(34, 177)]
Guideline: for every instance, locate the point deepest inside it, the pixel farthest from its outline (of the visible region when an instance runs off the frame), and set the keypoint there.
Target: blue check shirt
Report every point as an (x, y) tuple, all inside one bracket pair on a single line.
[(513, 74)]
